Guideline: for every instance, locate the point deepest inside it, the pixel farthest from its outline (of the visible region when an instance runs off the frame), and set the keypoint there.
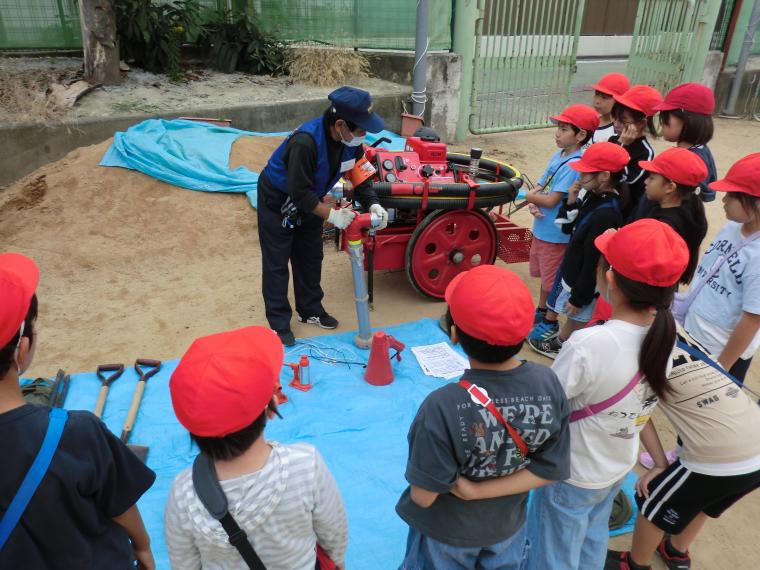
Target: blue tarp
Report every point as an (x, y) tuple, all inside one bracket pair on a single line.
[(194, 155), (359, 429)]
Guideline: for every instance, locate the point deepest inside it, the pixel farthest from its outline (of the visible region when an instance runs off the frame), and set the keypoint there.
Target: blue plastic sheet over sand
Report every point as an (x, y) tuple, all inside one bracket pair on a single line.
[(194, 155), (359, 429)]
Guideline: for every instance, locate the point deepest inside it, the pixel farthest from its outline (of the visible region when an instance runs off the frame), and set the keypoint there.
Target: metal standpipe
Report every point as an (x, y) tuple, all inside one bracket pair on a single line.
[(362, 222)]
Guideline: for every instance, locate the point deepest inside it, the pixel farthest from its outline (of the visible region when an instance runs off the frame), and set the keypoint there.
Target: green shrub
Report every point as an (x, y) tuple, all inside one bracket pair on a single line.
[(237, 44), (151, 35)]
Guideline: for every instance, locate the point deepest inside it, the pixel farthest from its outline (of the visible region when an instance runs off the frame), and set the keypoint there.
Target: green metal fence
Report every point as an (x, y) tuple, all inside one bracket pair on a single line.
[(54, 24), (524, 62), (664, 42)]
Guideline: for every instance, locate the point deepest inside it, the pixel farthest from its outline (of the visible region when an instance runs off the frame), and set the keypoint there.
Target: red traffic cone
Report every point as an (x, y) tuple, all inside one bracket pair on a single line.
[(379, 371)]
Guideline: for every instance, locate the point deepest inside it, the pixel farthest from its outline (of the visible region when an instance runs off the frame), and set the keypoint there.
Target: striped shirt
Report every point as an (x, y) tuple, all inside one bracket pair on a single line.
[(285, 508)]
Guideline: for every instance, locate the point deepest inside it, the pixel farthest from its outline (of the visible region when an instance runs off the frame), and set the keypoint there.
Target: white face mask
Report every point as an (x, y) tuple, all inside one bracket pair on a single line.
[(356, 141)]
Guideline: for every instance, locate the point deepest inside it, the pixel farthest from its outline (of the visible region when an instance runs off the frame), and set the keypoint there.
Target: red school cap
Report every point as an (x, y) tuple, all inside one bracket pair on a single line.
[(642, 98), (743, 176), (647, 251), (492, 304), (581, 116), (679, 165), (612, 84), (692, 97), (225, 381), (19, 277), (602, 157)]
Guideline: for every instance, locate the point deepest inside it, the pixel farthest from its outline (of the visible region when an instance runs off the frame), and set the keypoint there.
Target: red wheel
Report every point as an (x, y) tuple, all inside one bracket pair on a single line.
[(446, 243)]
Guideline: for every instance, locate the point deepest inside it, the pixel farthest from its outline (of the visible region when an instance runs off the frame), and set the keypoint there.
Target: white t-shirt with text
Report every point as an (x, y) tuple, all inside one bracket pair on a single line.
[(595, 364)]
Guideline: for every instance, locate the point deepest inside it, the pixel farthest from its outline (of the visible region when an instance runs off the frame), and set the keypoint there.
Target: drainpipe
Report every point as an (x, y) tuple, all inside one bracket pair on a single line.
[(741, 66), (421, 42)]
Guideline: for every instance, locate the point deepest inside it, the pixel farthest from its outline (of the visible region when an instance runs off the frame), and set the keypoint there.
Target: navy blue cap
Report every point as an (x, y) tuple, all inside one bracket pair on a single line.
[(355, 105)]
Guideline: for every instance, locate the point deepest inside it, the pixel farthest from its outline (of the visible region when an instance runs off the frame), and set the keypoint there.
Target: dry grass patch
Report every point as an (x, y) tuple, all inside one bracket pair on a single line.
[(327, 67)]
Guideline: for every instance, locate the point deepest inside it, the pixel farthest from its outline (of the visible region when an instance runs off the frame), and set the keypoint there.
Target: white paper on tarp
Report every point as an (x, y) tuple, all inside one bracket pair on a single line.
[(440, 360)]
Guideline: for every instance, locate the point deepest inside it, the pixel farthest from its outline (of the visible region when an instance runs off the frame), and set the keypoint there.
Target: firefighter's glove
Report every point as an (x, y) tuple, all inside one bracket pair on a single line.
[(342, 218), (380, 212)]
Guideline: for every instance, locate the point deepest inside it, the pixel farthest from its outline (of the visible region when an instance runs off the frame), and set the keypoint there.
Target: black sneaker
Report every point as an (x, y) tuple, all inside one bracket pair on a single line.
[(549, 348), (323, 321), (286, 337)]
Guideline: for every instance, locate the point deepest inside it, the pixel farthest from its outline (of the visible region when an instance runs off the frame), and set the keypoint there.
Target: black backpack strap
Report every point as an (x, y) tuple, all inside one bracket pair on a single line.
[(212, 496)]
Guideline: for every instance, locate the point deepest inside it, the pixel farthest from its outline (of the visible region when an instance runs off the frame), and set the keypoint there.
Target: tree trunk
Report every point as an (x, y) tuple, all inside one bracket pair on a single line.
[(99, 41)]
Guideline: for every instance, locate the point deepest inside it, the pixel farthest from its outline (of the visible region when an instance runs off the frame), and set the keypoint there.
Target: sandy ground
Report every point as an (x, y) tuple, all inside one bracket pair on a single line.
[(132, 267)]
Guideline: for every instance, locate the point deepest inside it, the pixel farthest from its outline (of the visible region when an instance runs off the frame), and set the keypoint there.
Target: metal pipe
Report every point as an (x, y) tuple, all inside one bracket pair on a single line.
[(419, 79), (363, 338), (741, 66)]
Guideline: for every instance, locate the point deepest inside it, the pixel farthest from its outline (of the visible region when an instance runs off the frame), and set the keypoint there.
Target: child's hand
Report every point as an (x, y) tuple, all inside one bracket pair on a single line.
[(571, 309), (629, 134), (642, 485), (535, 211), (465, 489), (572, 192), (144, 558)]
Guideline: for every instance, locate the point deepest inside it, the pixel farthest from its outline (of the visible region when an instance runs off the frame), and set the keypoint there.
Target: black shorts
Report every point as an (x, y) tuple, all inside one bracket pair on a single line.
[(677, 495)]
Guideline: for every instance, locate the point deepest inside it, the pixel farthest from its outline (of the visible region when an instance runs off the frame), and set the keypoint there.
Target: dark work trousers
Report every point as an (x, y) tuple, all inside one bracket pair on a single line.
[(302, 246)]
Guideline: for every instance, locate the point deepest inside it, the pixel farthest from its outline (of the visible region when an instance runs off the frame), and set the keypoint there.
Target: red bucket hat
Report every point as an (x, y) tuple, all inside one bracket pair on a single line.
[(612, 84), (225, 381), (492, 304), (647, 251), (692, 97), (743, 176), (581, 116), (679, 165), (601, 157), (19, 277), (642, 98)]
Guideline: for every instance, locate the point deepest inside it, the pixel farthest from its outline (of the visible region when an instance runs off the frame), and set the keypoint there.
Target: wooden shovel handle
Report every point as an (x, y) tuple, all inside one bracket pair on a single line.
[(101, 400), (132, 414)]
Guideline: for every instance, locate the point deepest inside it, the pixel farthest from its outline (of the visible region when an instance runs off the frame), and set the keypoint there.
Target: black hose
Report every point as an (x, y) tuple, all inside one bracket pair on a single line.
[(415, 202)]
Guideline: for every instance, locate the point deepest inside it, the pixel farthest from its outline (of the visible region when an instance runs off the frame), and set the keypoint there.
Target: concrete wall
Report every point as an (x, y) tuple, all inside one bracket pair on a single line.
[(748, 90), (27, 147), (443, 80)]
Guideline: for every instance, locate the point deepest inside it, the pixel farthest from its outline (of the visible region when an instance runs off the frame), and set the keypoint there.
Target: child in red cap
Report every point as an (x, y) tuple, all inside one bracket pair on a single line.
[(722, 308), (83, 513), (584, 219), (686, 119), (504, 418), (604, 91), (672, 185), (633, 115), (612, 375), (717, 463), (575, 125), (282, 496)]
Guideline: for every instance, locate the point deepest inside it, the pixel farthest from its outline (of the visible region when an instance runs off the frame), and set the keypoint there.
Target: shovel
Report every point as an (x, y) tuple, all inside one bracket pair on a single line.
[(105, 383), (153, 367)]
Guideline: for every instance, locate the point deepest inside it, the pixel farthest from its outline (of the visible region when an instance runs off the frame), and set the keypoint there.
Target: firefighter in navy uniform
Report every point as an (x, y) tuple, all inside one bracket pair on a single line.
[(291, 206)]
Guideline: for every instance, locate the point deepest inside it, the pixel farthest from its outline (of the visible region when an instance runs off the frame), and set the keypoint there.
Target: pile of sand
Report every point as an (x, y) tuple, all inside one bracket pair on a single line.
[(127, 258)]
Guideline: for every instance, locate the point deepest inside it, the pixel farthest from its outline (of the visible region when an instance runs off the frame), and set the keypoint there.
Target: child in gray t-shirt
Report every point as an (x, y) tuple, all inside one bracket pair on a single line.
[(460, 431)]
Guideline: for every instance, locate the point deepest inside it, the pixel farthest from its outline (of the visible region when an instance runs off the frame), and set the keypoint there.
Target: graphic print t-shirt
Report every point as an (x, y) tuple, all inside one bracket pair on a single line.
[(712, 415), (595, 364), (452, 436), (717, 309)]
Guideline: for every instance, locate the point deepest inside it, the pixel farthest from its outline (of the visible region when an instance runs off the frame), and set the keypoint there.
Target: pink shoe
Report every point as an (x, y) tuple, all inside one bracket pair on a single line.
[(646, 460)]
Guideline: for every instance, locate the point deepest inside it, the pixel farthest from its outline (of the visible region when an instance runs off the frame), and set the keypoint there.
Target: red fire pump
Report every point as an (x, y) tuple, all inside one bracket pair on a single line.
[(445, 211)]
